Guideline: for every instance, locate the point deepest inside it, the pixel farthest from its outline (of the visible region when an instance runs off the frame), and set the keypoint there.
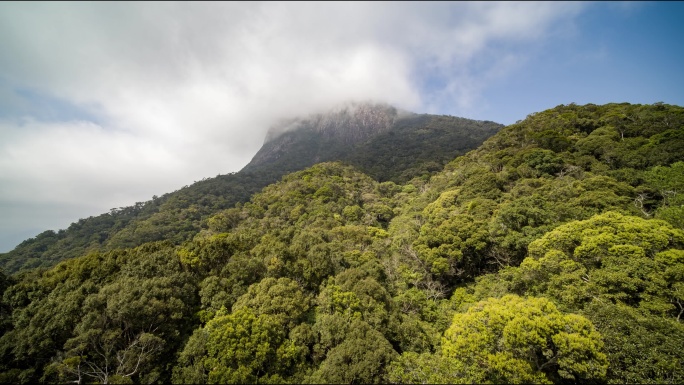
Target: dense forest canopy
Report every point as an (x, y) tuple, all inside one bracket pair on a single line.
[(552, 253)]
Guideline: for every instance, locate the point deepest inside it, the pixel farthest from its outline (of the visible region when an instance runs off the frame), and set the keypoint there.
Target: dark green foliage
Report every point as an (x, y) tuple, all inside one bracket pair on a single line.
[(121, 312), (640, 348), (361, 358), (418, 146)]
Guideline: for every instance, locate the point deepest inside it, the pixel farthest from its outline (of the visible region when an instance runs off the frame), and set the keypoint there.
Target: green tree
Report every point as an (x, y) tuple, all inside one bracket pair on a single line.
[(668, 182), (282, 298), (611, 257), (641, 348), (124, 330), (240, 347), (511, 340), (625, 274), (362, 357)]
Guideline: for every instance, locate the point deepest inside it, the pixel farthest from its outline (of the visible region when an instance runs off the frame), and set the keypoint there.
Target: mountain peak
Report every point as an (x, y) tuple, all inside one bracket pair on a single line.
[(349, 121), (370, 136)]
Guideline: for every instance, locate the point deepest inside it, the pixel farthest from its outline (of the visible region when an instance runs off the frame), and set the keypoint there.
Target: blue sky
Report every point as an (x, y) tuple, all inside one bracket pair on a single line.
[(105, 105), (618, 53)]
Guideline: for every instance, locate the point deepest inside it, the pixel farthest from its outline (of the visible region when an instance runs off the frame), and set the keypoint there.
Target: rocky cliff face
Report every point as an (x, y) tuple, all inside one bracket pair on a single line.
[(378, 139), (326, 134)]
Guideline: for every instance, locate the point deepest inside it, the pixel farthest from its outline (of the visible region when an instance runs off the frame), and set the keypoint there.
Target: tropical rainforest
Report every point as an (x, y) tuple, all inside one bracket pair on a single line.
[(551, 253)]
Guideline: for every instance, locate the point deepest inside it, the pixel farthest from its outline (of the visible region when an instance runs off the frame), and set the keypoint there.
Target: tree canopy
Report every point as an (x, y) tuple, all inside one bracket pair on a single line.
[(553, 253)]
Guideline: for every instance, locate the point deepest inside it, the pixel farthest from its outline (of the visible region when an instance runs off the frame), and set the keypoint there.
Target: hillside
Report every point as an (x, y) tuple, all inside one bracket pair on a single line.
[(375, 138), (553, 253)]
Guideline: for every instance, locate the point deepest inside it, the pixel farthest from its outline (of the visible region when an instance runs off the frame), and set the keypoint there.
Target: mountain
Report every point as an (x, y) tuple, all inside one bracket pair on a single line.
[(304, 141), (378, 139), (552, 253), (388, 144)]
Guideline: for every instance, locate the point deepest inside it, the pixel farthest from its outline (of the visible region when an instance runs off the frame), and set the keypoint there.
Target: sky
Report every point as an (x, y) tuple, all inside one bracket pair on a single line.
[(106, 104)]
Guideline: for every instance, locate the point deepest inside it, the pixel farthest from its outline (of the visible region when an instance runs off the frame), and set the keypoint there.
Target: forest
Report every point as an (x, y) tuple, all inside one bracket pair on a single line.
[(551, 253), (414, 146)]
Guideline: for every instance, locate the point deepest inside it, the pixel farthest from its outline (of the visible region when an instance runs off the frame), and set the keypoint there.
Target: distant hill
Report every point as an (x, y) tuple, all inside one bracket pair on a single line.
[(387, 144)]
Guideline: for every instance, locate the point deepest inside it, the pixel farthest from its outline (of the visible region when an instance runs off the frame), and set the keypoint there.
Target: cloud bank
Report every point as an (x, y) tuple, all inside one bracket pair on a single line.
[(102, 105)]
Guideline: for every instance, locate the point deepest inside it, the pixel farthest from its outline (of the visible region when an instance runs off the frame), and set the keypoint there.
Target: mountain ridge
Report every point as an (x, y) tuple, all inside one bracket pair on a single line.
[(343, 126), (346, 133)]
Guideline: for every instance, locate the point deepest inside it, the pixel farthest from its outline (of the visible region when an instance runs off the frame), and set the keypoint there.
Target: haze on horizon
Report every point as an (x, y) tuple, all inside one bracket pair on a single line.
[(106, 104)]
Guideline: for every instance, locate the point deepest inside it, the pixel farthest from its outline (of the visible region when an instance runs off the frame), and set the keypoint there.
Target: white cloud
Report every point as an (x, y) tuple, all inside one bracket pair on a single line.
[(181, 91)]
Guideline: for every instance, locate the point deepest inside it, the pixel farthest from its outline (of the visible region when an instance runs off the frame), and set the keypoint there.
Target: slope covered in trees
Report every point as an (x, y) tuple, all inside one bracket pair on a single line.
[(373, 137), (553, 253), (175, 216)]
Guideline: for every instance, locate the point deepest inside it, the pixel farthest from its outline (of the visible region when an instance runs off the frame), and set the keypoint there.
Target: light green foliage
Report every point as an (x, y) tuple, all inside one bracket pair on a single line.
[(237, 348), (523, 340), (282, 298), (611, 257), (425, 368), (333, 300), (355, 295), (625, 274), (509, 340), (353, 213), (240, 345)]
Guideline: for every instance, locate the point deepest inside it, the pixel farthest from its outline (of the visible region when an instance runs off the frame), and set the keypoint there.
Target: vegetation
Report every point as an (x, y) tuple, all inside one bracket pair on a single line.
[(425, 143), (553, 253)]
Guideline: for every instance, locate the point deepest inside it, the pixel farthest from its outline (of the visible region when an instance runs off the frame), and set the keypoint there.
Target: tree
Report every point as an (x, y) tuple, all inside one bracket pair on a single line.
[(669, 184), (108, 356), (611, 257), (641, 348), (240, 347), (362, 357), (510, 340), (125, 328), (625, 274), (282, 298)]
